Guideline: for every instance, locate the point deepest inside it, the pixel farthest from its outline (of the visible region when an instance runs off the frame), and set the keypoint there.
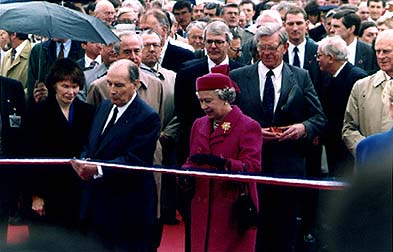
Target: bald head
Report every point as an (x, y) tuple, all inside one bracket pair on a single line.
[(105, 11), (122, 81)]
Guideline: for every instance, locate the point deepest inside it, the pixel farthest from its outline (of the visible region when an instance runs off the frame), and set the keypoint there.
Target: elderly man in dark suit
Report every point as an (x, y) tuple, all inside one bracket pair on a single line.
[(119, 205), (283, 100), (12, 112), (336, 88)]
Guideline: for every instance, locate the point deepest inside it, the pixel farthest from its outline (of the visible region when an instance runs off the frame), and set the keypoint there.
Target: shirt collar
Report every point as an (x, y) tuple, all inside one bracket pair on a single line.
[(124, 107), (277, 71), (301, 46), (339, 70), (20, 47), (211, 64)]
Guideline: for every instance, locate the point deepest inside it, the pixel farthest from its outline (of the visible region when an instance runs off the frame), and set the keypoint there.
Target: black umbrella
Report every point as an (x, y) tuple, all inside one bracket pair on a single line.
[(54, 21)]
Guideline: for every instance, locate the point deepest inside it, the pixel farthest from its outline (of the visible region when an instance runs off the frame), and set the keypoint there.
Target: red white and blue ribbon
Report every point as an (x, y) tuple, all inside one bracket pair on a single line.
[(242, 177)]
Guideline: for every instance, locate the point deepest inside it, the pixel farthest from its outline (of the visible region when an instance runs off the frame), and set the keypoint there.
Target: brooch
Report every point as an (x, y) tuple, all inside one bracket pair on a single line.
[(226, 126)]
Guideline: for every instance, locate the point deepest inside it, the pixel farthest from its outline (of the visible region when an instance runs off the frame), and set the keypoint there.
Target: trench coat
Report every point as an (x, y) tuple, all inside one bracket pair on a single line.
[(239, 140)]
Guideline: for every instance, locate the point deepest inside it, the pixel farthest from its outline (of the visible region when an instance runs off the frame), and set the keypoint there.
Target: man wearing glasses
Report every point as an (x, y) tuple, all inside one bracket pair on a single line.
[(283, 100)]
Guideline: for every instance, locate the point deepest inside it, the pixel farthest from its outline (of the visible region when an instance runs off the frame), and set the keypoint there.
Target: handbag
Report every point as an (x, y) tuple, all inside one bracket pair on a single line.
[(244, 210)]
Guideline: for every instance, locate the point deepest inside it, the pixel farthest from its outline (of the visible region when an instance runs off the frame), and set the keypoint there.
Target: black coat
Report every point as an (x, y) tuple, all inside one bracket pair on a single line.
[(49, 134), (175, 56)]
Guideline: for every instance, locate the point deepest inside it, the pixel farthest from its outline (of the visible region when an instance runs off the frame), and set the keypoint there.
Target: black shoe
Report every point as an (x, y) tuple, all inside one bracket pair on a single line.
[(16, 220)]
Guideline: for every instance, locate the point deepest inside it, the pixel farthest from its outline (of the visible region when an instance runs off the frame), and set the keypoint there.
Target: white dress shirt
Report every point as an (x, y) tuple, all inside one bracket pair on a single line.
[(301, 53), (262, 71)]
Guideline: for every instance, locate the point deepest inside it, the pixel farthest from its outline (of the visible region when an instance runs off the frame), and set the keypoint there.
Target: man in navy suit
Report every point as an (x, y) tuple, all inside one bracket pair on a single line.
[(279, 95), (332, 58), (119, 206)]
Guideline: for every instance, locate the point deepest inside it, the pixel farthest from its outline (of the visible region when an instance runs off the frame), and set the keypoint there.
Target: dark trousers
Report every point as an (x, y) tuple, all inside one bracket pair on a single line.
[(277, 224)]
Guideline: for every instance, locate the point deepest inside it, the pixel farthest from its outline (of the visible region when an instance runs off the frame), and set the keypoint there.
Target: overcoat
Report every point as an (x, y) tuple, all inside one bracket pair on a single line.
[(239, 140)]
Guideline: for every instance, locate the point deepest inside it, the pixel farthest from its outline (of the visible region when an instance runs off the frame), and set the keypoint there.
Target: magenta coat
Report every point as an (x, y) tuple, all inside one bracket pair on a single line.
[(239, 140)]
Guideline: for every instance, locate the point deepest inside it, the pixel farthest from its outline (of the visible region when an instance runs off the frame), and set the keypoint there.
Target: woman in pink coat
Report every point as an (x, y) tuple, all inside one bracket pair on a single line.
[(225, 139)]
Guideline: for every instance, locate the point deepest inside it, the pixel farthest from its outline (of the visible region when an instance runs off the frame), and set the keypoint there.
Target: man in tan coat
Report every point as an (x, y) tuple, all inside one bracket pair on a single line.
[(16, 60), (366, 114)]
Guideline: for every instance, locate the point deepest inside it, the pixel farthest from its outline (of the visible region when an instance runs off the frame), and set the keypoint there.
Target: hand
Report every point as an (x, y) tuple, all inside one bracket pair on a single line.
[(38, 205), (268, 135), (294, 132), (209, 159), (84, 171), (40, 92)]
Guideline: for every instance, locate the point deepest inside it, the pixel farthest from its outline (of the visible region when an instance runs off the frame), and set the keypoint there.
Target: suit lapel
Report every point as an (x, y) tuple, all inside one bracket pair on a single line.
[(120, 125), (287, 82)]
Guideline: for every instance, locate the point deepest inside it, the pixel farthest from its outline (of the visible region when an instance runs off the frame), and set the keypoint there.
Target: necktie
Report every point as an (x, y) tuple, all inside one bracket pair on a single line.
[(13, 54), (61, 52), (296, 61), (268, 98), (92, 65), (111, 123)]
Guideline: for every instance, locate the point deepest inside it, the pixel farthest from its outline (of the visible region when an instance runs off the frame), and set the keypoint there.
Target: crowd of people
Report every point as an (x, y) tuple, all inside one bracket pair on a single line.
[(278, 88)]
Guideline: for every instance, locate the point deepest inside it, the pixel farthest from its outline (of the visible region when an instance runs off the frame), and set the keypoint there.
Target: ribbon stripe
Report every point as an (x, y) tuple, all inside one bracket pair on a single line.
[(242, 177)]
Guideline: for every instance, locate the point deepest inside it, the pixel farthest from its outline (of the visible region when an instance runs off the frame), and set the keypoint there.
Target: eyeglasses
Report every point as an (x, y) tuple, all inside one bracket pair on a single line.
[(318, 55), (237, 50), (267, 48), (383, 51), (149, 45), (217, 42)]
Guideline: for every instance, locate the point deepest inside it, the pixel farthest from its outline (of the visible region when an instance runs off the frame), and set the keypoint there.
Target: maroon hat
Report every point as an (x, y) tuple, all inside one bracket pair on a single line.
[(217, 79)]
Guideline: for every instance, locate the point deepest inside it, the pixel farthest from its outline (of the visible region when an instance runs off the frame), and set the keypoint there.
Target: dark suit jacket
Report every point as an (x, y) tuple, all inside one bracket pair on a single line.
[(376, 152), (365, 58), (335, 93), (317, 33), (175, 56), (12, 100), (334, 98), (187, 107), (310, 63), (41, 59), (122, 201), (298, 103), (81, 63)]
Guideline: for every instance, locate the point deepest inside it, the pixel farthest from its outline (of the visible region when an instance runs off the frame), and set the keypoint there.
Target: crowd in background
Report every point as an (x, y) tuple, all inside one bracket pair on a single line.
[(311, 74)]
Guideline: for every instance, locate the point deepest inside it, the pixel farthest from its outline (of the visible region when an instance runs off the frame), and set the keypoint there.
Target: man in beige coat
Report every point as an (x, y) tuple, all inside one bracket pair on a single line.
[(16, 60), (366, 114)]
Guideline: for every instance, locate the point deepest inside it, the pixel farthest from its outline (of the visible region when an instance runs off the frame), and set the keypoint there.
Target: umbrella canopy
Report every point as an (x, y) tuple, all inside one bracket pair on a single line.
[(54, 21)]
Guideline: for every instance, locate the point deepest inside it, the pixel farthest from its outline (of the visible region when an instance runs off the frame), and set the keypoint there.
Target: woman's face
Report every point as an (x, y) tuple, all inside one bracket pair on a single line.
[(213, 106), (66, 91)]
